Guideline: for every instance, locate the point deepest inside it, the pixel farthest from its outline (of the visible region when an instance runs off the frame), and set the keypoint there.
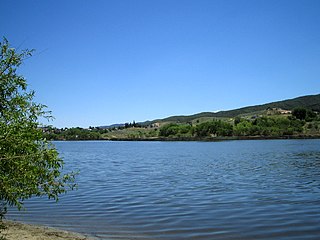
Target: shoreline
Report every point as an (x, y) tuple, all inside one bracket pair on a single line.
[(198, 139), (215, 139), (19, 230)]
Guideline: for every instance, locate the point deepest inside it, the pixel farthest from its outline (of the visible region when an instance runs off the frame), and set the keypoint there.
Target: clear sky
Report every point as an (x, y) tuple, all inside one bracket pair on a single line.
[(101, 62)]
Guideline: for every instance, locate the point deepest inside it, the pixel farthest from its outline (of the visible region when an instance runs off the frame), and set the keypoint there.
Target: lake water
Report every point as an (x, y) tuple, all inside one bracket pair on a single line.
[(188, 190)]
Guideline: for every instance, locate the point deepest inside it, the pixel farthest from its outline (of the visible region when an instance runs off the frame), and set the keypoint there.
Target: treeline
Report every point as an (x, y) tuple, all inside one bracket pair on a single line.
[(264, 126), (268, 126), (261, 126), (130, 125), (76, 133), (206, 129), (301, 122)]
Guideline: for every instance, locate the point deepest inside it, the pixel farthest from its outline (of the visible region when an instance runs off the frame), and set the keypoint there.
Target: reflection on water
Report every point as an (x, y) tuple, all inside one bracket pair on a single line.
[(188, 190)]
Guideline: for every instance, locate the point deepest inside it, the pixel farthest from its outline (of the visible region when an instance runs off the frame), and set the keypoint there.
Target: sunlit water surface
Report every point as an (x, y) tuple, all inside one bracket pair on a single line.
[(188, 190)]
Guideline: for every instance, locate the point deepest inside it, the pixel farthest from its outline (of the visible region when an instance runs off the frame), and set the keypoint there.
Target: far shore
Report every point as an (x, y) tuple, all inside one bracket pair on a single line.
[(16, 230), (199, 139)]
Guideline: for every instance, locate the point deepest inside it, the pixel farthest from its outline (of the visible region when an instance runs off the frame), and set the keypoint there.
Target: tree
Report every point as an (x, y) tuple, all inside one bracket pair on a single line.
[(300, 113), (29, 165), (214, 128), (170, 129), (237, 120), (243, 128)]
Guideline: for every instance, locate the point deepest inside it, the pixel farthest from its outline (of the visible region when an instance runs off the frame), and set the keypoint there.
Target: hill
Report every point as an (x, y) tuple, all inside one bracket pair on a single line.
[(311, 102), (266, 121)]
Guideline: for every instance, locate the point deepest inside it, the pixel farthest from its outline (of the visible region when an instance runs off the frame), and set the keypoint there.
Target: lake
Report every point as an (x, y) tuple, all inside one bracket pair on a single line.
[(265, 189)]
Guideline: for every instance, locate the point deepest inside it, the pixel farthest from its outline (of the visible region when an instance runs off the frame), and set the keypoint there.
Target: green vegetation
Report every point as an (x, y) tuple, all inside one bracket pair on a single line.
[(72, 134), (311, 102), (29, 165), (215, 128), (96, 133), (274, 126), (173, 129), (270, 123), (296, 117), (303, 114), (269, 126)]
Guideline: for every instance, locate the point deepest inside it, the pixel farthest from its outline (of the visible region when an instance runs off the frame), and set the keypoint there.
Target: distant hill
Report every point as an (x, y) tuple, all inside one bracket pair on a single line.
[(266, 121), (311, 102)]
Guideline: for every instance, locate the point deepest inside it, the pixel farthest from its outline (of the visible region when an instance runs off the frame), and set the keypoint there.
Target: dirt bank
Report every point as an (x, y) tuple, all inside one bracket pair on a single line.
[(19, 231)]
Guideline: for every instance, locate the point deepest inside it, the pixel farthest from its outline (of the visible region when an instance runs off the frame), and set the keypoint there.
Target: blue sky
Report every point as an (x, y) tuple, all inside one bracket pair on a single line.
[(103, 62)]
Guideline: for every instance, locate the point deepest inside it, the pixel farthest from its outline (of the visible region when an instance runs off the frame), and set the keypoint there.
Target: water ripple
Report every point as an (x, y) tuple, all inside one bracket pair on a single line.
[(188, 190)]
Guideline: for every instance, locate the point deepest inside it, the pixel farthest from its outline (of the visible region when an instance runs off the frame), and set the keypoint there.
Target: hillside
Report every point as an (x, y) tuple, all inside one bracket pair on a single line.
[(261, 121), (311, 102)]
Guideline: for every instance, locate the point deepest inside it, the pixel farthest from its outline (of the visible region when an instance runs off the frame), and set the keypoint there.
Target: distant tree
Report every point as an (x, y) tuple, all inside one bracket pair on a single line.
[(215, 127), (243, 128), (169, 130), (237, 120), (224, 129), (300, 113), (29, 165), (184, 128), (311, 115)]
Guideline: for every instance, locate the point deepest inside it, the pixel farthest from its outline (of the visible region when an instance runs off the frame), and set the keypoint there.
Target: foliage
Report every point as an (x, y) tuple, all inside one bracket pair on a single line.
[(244, 128), (130, 125), (173, 129), (213, 128), (265, 126), (312, 128), (237, 120), (71, 134), (268, 126), (300, 113), (311, 102), (29, 165), (304, 114), (262, 126)]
